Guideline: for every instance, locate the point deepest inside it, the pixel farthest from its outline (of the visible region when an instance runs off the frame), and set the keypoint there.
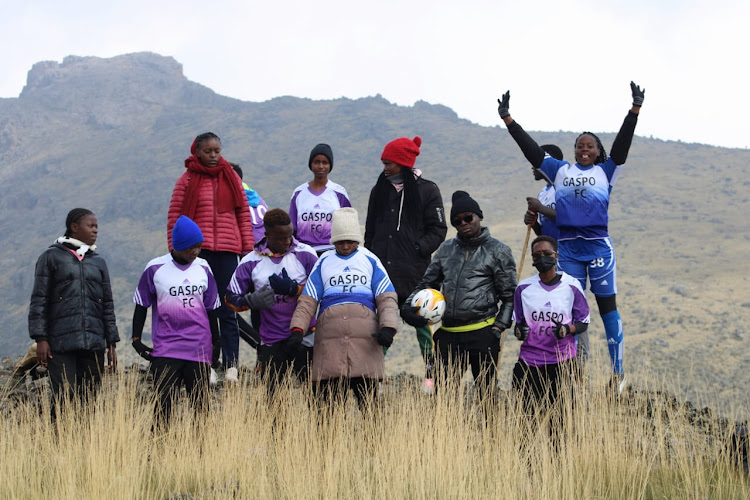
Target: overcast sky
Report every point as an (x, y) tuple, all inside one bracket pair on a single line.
[(568, 64)]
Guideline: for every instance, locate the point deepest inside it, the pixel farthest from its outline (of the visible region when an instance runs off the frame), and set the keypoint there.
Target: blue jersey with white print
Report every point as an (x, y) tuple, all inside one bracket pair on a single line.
[(359, 277), (581, 197)]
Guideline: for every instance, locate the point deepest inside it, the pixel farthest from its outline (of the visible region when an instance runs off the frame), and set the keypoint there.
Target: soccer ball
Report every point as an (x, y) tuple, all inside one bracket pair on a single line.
[(431, 304)]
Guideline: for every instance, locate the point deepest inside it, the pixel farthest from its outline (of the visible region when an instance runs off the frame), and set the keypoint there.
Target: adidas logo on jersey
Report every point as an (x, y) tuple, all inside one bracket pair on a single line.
[(347, 270), (317, 206), (548, 304), (186, 281)]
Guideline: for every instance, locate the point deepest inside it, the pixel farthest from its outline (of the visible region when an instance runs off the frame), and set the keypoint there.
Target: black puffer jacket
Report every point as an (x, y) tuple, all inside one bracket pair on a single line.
[(475, 275), (71, 303), (405, 247)]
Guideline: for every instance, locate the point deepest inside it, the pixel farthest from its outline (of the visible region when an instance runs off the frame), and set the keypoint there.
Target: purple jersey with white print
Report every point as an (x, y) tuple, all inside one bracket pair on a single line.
[(252, 274), (181, 295), (581, 197), (311, 213), (538, 305)]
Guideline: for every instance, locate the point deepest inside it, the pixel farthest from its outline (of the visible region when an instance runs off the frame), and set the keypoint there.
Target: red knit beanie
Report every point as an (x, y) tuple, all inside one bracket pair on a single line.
[(402, 151)]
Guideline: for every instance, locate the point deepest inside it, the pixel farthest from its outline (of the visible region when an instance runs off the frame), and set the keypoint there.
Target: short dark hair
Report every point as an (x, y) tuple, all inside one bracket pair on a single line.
[(552, 241), (276, 217), (236, 167)]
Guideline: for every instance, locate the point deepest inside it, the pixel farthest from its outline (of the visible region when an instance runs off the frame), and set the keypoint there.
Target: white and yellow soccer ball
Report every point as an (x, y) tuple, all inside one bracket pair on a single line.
[(431, 304)]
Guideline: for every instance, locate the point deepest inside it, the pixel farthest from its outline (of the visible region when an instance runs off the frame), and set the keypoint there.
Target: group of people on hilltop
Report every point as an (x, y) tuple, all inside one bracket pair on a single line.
[(325, 299)]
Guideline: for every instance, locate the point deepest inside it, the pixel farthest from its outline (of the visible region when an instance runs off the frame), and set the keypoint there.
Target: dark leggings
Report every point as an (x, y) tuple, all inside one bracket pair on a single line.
[(543, 391), (477, 349), (223, 265), (75, 374), (332, 391), (169, 376)]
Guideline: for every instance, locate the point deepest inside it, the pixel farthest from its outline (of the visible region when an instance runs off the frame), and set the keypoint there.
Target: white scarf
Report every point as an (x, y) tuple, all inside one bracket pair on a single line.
[(81, 249)]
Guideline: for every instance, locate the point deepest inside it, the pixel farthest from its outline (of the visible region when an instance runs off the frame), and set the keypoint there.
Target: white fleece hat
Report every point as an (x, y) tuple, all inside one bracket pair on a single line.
[(345, 226)]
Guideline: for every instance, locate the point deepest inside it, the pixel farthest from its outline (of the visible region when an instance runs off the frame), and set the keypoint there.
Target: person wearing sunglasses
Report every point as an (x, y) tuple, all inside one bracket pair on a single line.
[(477, 276)]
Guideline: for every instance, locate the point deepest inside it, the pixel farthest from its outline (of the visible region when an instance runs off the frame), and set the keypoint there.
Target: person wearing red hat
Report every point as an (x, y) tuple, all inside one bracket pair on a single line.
[(405, 224)]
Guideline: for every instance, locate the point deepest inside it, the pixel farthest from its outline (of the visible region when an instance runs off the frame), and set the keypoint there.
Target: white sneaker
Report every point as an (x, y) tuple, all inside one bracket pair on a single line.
[(428, 386), (617, 385), (232, 375), (213, 379)]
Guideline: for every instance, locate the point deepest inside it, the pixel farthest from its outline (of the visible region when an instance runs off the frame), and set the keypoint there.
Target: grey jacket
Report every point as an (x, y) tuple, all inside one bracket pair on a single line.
[(475, 276), (71, 303)]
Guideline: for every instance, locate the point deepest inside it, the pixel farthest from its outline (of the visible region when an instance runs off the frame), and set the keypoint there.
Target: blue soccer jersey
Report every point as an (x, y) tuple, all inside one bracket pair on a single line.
[(581, 197), (358, 277)]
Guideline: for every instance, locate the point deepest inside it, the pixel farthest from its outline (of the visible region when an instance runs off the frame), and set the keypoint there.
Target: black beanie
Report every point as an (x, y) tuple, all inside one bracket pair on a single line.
[(552, 150), (321, 149), (462, 202)]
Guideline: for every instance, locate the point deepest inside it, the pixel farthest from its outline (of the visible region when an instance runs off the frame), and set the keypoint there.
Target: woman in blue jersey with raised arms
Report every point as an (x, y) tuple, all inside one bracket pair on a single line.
[(582, 203)]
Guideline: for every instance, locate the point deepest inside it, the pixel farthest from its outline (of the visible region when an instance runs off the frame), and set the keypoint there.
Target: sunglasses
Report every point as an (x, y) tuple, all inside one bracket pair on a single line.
[(456, 221)]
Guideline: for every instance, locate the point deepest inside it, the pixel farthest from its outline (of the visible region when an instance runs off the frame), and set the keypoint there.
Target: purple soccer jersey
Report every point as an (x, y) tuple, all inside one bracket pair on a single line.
[(538, 305), (311, 213), (253, 273), (180, 297)]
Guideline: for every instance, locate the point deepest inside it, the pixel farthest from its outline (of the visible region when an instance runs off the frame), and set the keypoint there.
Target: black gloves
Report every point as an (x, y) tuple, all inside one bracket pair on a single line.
[(283, 285), (260, 300), (560, 330), (294, 340), (410, 316), (503, 108), (142, 349), (498, 332), (384, 336), (638, 94), (521, 331)]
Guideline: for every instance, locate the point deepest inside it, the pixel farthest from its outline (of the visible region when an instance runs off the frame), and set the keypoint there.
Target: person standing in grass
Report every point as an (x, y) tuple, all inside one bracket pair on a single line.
[(582, 192), (72, 313), (405, 225), (182, 290), (549, 309), (269, 280), (210, 193), (314, 202), (477, 275), (357, 315)]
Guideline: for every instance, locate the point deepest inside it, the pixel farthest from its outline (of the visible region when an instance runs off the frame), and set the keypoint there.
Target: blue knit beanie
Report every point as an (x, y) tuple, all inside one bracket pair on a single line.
[(185, 233)]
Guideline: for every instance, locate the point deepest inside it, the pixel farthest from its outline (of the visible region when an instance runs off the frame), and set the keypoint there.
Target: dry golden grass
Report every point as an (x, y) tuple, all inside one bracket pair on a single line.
[(411, 446)]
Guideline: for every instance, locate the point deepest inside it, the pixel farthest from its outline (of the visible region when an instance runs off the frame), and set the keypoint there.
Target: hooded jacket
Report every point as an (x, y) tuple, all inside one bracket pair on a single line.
[(475, 276), (404, 247), (71, 302)]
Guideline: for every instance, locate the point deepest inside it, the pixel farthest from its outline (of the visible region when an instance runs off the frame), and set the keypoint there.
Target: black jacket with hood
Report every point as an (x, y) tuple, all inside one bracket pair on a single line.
[(71, 302), (404, 244)]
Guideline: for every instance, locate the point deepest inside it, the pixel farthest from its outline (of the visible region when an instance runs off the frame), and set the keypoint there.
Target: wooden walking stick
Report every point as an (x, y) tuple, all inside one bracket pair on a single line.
[(518, 275)]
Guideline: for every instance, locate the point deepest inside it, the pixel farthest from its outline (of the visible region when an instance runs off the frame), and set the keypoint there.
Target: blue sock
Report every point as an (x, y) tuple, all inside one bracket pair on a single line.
[(613, 329)]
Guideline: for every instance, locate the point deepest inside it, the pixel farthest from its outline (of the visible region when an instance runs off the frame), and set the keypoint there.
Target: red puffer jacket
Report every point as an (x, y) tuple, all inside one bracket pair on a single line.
[(222, 232)]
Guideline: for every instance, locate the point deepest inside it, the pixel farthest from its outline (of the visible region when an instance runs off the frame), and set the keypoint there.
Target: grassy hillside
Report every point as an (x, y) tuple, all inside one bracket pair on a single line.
[(112, 134)]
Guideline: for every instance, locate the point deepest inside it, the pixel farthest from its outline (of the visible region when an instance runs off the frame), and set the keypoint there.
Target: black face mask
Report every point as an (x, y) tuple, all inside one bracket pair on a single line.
[(544, 264)]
